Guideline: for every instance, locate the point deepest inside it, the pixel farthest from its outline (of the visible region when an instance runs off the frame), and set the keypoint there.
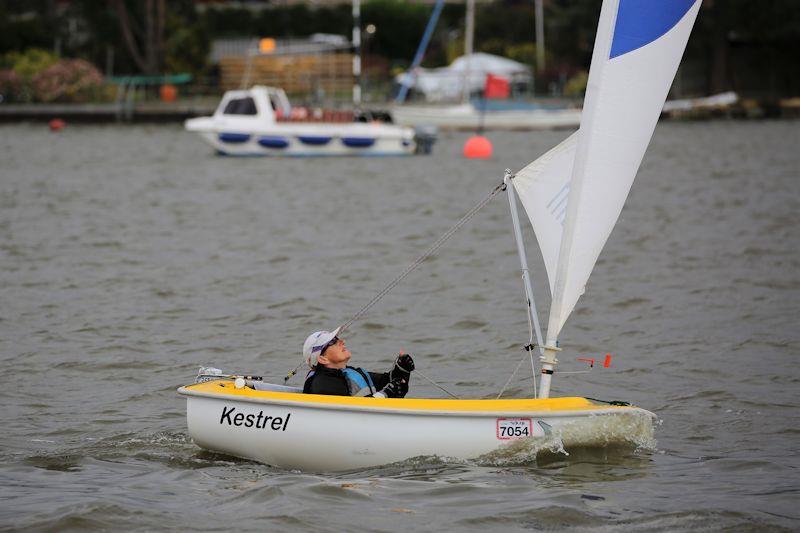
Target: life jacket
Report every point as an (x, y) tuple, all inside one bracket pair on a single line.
[(359, 382)]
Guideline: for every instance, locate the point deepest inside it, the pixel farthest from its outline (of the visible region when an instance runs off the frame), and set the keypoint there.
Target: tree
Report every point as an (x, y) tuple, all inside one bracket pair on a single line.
[(145, 44)]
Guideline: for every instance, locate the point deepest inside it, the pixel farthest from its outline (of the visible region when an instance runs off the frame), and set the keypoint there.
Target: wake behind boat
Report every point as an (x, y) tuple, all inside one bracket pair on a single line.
[(261, 121), (573, 196)]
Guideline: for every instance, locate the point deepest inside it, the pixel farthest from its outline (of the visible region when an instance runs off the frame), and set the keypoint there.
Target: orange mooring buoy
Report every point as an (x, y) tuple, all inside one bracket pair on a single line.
[(56, 124), (478, 147)]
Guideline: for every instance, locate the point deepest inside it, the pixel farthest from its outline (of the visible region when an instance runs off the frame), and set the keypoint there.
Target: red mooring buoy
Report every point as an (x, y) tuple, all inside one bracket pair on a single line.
[(56, 124), (478, 147)]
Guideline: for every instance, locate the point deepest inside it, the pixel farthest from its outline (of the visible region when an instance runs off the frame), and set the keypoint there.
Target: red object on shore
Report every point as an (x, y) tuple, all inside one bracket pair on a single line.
[(168, 93), (56, 124), (478, 147), (496, 87)]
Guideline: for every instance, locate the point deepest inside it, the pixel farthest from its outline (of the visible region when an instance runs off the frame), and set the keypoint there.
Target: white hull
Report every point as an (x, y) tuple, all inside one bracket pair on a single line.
[(248, 122), (305, 139), (323, 433), (466, 117)]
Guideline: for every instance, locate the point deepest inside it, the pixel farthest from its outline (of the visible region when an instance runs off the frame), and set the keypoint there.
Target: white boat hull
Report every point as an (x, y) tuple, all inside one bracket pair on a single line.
[(466, 117), (323, 433), (342, 140), (247, 123)]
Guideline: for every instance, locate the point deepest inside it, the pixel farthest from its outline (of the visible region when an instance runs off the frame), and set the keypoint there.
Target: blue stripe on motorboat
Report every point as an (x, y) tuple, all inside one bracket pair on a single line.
[(234, 137), (358, 142), (273, 142), (314, 140)]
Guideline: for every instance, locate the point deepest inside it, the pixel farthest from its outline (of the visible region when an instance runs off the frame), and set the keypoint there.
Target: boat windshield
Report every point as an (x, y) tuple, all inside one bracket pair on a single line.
[(241, 106)]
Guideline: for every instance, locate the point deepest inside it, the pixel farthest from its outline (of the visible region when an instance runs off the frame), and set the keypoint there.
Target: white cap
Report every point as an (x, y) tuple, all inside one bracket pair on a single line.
[(315, 343)]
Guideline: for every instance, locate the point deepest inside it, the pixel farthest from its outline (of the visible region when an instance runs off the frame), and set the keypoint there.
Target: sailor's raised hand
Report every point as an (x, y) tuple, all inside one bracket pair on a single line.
[(404, 362)]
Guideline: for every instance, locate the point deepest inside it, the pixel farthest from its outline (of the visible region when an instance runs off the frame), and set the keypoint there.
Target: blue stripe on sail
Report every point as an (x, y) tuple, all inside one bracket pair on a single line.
[(564, 190), (640, 22)]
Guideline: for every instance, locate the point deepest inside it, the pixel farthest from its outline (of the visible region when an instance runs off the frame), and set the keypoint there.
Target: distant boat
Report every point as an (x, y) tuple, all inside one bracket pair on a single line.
[(260, 121), (573, 196), (471, 116), (715, 101), (516, 115)]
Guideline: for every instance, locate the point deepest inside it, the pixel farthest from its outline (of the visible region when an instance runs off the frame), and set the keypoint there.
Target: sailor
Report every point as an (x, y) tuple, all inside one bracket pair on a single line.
[(327, 357)]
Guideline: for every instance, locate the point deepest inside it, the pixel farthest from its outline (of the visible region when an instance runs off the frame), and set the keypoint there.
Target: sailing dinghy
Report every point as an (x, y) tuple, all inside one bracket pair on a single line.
[(573, 196)]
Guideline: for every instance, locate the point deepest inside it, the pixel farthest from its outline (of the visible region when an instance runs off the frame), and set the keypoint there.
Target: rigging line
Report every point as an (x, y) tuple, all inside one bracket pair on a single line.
[(436, 384), (430, 251), (510, 378)]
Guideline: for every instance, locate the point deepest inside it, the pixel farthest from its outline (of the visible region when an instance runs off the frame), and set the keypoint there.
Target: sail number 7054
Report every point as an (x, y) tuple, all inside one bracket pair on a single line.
[(514, 428)]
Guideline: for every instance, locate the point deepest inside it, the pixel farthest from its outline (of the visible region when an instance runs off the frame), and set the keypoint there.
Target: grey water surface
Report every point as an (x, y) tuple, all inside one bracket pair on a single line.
[(131, 255)]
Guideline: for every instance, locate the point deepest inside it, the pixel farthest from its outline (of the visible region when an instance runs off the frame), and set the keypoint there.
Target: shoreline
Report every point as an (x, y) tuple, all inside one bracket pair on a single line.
[(159, 112)]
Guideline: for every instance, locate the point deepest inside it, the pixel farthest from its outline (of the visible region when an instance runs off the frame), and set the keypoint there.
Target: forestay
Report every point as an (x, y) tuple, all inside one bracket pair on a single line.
[(574, 193)]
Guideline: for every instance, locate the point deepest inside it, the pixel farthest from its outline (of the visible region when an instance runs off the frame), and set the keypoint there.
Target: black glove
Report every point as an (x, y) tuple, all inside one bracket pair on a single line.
[(402, 368), (394, 389), (404, 362)]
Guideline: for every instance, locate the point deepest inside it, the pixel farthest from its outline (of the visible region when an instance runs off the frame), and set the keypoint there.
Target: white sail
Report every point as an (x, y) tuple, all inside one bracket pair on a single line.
[(543, 189), (637, 50)]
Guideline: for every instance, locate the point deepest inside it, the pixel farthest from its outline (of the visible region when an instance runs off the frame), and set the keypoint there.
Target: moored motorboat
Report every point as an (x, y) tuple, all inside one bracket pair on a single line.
[(260, 121)]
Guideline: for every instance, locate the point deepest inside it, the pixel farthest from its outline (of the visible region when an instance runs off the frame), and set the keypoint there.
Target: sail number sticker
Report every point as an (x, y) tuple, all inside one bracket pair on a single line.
[(514, 428)]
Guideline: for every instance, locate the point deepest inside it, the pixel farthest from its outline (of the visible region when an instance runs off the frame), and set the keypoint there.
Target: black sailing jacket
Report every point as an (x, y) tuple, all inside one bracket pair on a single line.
[(331, 381)]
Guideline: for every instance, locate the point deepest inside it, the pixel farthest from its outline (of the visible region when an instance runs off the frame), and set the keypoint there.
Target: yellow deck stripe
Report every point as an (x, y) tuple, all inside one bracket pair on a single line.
[(226, 388)]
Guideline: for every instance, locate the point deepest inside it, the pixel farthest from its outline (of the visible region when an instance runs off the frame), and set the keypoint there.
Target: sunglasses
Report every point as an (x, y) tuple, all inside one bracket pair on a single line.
[(329, 344)]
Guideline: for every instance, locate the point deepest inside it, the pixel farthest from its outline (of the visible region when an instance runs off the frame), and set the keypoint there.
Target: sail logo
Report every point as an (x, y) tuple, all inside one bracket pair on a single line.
[(558, 204)]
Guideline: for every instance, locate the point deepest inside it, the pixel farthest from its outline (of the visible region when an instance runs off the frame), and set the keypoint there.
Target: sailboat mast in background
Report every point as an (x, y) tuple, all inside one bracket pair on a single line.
[(469, 37), (539, 19), (357, 54)]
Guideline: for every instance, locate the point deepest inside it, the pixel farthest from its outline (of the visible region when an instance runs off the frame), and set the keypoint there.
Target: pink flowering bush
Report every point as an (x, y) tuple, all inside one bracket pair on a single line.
[(68, 80), (10, 86)]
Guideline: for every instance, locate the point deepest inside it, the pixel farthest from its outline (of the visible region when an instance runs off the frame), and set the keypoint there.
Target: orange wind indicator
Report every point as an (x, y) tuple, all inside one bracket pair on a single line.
[(589, 360)]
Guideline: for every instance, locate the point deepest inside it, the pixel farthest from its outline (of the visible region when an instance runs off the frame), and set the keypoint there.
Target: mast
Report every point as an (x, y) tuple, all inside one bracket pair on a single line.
[(539, 9), (523, 262), (423, 45), (357, 54), (468, 47)]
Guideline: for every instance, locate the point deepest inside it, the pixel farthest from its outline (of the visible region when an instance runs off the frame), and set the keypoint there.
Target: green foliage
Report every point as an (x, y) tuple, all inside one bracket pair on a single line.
[(524, 53), (20, 30), (576, 85), (38, 75), (745, 45), (400, 26), (455, 49), (186, 47), (29, 63)]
